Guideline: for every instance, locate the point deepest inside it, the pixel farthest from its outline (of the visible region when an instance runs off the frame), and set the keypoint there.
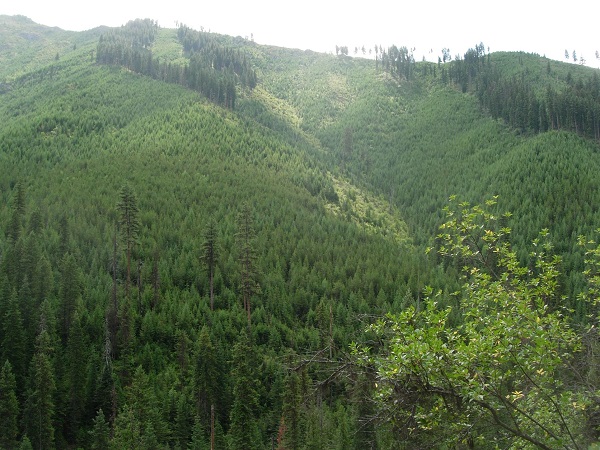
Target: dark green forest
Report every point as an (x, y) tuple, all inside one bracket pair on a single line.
[(206, 243)]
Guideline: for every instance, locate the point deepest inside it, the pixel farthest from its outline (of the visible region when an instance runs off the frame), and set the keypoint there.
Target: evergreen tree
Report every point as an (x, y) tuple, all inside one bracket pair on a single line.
[(249, 285), (205, 378), (149, 441), (292, 414), (155, 279), (14, 344), (39, 405), (209, 256), (244, 432), (18, 213), (9, 408), (25, 444), (129, 226), (142, 401), (74, 383), (127, 431), (343, 439), (182, 428), (105, 390), (64, 234), (199, 440), (69, 292), (361, 396), (100, 433), (43, 285)]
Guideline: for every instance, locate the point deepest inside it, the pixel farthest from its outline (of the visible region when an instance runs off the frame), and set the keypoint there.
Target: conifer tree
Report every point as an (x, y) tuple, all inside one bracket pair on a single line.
[(39, 405), (155, 279), (64, 234), (205, 378), (14, 344), (209, 256), (149, 441), (42, 286), (69, 291), (249, 285), (142, 400), (127, 430), (75, 384), (25, 443), (292, 413), (244, 432), (199, 440), (129, 226), (182, 428), (100, 433), (18, 213), (9, 408), (105, 390)]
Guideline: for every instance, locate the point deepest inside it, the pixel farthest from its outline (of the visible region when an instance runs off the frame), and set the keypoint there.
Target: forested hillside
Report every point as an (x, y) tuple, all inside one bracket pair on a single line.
[(207, 243)]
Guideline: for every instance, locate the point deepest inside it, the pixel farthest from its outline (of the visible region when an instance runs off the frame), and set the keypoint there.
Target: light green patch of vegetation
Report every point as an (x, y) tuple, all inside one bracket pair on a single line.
[(167, 47), (278, 107), (372, 213)]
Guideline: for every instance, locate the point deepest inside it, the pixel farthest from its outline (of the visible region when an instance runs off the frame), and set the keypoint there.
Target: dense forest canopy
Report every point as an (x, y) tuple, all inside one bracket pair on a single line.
[(206, 243)]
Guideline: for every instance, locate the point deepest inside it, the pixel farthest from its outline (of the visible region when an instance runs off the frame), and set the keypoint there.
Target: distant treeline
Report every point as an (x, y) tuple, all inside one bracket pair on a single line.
[(214, 70), (573, 107)]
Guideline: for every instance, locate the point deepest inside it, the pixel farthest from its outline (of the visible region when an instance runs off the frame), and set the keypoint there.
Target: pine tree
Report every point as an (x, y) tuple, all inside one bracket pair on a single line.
[(149, 441), (141, 398), (100, 433), (18, 213), (69, 291), (9, 408), (155, 279), (205, 378), (127, 431), (25, 444), (75, 384), (64, 235), (105, 390), (14, 344), (182, 428), (209, 256), (39, 405), (361, 396), (244, 431), (249, 285), (43, 285), (129, 226), (292, 413)]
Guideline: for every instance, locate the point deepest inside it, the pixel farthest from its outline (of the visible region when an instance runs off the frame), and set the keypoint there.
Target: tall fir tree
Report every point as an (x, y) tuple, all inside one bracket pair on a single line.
[(292, 413), (100, 432), (244, 433), (75, 364), (15, 227), (39, 405), (9, 408), (70, 290), (129, 226), (209, 255), (249, 285), (127, 430), (14, 344)]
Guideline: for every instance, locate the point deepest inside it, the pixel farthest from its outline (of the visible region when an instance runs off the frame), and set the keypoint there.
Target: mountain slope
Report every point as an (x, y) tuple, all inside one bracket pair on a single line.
[(319, 180)]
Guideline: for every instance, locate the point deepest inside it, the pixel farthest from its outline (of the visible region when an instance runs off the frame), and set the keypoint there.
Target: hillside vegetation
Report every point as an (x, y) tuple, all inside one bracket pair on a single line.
[(199, 235)]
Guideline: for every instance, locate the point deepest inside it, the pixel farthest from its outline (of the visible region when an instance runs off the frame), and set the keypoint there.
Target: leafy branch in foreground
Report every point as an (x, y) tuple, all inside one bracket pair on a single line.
[(497, 378)]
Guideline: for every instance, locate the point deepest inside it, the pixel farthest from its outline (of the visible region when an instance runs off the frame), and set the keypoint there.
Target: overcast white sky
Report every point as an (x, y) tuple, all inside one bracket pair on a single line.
[(544, 27)]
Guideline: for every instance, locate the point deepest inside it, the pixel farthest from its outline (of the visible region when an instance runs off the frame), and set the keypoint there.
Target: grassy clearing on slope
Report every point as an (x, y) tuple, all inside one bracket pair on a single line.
[(373, 214)]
